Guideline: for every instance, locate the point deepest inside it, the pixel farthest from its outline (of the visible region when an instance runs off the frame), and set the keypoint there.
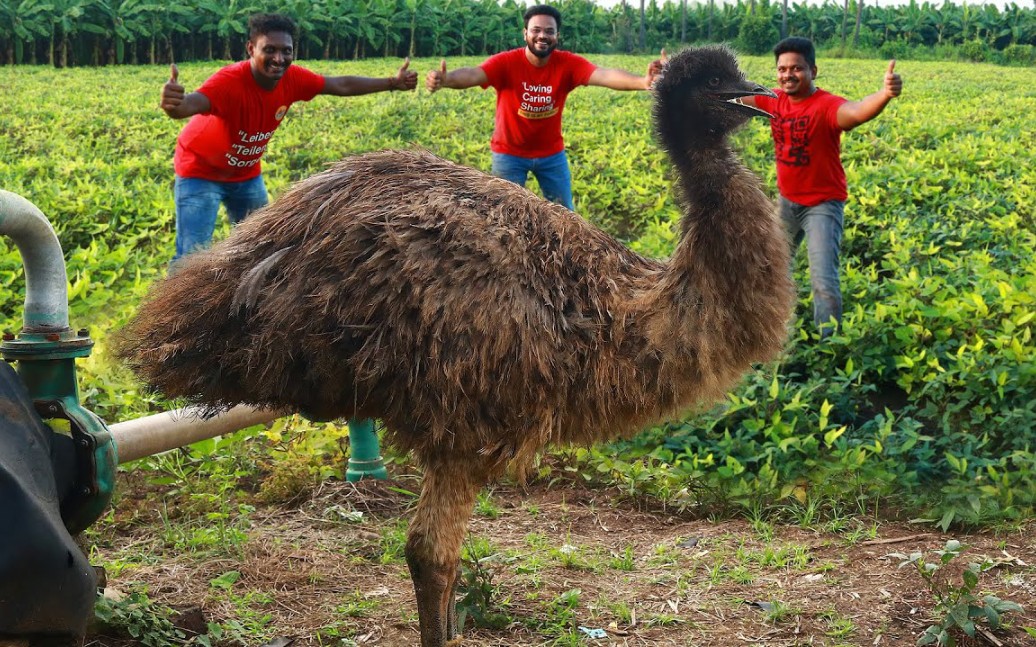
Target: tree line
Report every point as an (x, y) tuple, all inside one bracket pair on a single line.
[(109, 32)]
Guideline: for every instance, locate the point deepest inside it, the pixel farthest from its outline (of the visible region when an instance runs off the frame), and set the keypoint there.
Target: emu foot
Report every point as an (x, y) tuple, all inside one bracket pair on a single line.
[(436, 609)]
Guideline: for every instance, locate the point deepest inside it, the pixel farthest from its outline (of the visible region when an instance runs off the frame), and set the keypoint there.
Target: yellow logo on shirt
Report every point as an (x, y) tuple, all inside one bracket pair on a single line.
[(528, 114)]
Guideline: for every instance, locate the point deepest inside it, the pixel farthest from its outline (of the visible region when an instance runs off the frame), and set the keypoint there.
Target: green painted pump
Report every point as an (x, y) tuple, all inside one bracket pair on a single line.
[(46, 365), (58, 460), (46, 350)]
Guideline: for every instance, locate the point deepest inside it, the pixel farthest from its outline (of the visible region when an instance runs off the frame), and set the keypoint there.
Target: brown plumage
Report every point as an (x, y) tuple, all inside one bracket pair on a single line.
[(479, 322)]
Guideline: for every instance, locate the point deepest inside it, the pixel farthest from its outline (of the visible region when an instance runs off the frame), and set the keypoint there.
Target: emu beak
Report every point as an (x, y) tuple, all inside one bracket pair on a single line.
[(733, 98)]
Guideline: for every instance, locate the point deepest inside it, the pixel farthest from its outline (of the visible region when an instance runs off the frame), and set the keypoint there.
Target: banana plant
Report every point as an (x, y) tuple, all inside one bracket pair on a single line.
[(311, 17), (125, 21), (229, 21), (24, 21), (67, 20), (340, 27)]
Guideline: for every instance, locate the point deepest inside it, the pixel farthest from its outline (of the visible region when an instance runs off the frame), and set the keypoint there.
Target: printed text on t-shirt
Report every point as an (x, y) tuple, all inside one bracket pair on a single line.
[(249, 145), (792, 138), (537, 101)]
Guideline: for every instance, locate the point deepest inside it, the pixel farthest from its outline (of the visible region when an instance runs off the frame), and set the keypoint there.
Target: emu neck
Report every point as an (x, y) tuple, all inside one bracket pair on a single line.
[(729, 273), (718, 195)]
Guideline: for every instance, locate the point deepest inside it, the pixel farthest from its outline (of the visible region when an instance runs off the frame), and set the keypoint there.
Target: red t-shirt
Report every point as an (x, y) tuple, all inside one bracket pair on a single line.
[(529, 100), (226, 143), (807, 144)]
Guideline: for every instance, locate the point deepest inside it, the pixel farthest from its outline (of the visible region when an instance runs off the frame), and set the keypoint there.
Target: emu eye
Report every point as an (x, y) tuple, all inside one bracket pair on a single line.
[(714, 82)]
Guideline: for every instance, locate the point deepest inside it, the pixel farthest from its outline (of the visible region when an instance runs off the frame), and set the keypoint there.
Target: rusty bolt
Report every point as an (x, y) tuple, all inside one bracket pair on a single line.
[(8, 336), (83, 332)]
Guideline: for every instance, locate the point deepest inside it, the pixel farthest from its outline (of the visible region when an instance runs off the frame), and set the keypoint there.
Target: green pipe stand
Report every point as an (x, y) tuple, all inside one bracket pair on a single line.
[(364, 454)]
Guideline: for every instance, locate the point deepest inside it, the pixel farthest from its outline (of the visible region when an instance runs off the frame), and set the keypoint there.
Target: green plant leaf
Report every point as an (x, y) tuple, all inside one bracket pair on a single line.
[(226, 580)]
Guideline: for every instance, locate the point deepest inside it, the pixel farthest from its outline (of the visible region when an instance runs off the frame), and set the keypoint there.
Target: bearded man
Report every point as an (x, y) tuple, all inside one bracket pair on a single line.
[(531, 84)]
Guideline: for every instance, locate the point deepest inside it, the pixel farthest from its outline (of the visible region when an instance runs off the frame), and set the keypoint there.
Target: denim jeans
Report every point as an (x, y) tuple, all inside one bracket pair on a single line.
[(551, 172), (197, 203), (821, 226)]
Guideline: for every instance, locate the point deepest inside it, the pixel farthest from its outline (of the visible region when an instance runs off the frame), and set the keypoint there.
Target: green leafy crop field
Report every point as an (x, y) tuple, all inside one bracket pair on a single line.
[(924, 403)]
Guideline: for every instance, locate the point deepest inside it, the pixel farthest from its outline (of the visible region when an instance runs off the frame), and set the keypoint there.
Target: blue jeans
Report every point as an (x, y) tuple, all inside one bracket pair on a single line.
[(551, 172), (821, 226), (197, 203)]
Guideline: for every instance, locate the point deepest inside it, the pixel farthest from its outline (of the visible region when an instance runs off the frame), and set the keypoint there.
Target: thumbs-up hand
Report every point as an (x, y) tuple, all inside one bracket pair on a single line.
[(655, 68), (436, 78), (893, 82), (172, 91), (405, 79)]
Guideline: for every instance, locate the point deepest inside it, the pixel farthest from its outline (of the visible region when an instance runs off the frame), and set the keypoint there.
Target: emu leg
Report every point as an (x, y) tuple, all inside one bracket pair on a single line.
[(433, 546)]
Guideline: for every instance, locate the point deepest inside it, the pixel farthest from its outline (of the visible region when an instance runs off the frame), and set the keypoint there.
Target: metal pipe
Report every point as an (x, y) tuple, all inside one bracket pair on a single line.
[(135, 439), (46, 290), (161, 432)]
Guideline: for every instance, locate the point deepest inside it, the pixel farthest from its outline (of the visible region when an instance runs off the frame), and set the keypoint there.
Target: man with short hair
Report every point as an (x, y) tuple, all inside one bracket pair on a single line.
[(234, 114), (532, 83), (807, 129)]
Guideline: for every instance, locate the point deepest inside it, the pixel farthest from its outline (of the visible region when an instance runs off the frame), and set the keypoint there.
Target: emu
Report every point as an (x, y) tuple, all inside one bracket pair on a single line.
[(477, 321)]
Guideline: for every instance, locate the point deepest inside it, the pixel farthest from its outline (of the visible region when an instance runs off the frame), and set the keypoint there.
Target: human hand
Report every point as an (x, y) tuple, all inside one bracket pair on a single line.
[(893, 82), (405, 79), (655, 68), (172, 91), (436, 78)]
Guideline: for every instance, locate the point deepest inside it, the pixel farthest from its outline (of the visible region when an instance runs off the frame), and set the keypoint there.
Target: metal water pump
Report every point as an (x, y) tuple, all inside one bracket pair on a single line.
[(58, 460), (45, 351)]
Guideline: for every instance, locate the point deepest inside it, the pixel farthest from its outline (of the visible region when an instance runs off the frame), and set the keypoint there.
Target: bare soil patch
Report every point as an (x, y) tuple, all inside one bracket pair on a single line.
[(320, 571)]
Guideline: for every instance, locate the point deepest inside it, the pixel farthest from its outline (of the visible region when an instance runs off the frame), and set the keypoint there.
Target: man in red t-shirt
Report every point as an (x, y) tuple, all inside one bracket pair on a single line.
[(807, 129), (234, 114), (531, 85)]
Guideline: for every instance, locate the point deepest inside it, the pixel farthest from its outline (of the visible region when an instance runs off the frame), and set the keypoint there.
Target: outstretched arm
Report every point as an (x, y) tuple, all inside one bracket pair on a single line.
[(853, 113), (350, 86), (616, 79), (178, 104), (459, 79)]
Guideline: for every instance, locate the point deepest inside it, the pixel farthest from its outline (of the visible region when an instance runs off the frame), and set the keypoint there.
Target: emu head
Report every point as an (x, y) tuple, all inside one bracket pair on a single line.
[(698, 98)]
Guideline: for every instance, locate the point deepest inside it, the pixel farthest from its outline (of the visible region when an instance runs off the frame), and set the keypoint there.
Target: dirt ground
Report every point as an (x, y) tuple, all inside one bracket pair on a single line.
[(322, 570)]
